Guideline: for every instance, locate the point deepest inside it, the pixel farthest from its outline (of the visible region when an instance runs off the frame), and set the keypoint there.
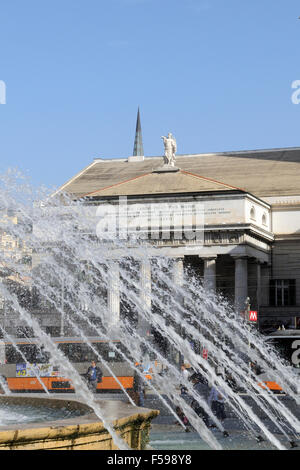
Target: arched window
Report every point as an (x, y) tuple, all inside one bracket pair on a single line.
[(252, 213), (264, 219)]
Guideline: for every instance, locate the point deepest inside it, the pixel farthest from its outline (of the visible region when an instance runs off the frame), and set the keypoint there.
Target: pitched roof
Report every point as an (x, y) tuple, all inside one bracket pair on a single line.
[(274, 172), (162, 183)]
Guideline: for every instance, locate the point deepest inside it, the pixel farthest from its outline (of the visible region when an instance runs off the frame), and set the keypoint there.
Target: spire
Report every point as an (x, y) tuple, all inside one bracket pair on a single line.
[(138, 149)]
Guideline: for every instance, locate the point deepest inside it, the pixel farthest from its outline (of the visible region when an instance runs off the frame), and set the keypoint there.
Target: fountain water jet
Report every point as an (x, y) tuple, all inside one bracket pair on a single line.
[(64, 239)]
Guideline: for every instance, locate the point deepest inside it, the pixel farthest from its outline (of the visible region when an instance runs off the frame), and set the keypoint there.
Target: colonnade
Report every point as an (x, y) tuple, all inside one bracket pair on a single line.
[(209, 283)]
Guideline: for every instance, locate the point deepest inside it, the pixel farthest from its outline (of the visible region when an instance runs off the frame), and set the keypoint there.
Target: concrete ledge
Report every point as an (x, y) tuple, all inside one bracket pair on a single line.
[(83, 432)]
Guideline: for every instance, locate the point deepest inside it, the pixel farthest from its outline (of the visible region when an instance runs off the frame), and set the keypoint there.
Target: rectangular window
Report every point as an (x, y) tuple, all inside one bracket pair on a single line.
[(282, 292)]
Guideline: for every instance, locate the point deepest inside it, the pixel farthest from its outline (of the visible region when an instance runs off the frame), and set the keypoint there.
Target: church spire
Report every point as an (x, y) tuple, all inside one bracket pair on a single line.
[(138, 149)]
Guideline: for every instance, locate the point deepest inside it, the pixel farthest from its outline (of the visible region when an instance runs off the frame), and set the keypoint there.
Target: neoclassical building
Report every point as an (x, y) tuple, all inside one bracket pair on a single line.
[(248, 203)]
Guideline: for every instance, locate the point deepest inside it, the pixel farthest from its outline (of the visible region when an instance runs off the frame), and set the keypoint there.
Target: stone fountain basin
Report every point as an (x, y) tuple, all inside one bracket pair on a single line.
[(82, 432)]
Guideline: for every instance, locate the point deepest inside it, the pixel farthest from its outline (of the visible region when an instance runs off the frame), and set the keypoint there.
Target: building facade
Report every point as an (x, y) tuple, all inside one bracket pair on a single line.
[(246, 245)]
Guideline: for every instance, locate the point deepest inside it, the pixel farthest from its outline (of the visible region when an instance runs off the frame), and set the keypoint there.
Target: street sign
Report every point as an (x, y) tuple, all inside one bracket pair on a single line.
[(252, 315)]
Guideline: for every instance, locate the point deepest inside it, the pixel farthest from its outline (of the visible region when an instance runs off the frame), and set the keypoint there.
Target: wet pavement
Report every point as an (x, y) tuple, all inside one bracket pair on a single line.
[(166, 435), (171, 437)]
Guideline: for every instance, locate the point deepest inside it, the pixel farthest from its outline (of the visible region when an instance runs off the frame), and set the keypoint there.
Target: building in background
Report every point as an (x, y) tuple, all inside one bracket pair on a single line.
[(15, 268), (247, 246), (251, 208)]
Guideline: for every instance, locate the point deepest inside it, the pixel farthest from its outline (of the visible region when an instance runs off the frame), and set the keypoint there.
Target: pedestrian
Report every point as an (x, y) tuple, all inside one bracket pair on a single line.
[(138, 385), (256, 369), (216, 400), (182, 417), (94, 376), (185, 372), (201, 388), (185, 377)]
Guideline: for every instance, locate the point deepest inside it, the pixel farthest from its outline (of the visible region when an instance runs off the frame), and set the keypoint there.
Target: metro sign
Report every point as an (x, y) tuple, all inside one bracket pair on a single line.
[(252, 315)]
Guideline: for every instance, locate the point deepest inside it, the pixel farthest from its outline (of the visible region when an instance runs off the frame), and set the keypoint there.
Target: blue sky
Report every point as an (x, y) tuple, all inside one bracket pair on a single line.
[(215, 73)]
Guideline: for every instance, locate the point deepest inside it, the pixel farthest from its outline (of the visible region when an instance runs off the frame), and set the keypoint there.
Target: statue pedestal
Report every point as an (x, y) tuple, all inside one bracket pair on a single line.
[(166, 169)]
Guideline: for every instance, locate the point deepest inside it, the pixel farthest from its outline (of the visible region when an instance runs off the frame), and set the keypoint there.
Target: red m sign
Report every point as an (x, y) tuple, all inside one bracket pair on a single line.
[(252, 315)]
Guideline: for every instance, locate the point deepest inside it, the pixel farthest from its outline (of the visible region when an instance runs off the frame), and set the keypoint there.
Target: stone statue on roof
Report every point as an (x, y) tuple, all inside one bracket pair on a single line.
[(170, 149)]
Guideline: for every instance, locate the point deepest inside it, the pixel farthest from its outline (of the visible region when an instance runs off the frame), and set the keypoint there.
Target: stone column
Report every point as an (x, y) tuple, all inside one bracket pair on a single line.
[(178, 272), (178, 281), (113, 293), (145, 284), (241, 283), (209, 278)]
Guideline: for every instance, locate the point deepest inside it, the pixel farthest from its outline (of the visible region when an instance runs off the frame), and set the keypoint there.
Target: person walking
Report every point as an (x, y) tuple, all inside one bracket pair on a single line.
[(201, 387), (94, 376), (138, 385), (217, 402), (217, 398), (185, 377)]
